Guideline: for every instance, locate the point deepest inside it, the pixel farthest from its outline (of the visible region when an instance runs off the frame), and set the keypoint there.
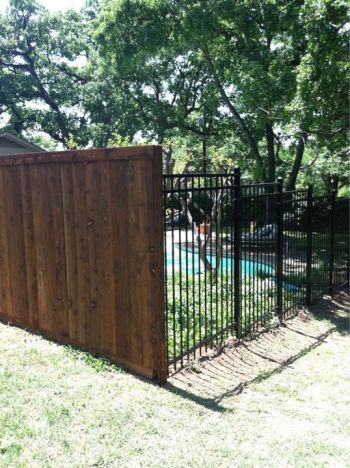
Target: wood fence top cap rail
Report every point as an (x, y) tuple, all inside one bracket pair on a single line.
[(81, 156)]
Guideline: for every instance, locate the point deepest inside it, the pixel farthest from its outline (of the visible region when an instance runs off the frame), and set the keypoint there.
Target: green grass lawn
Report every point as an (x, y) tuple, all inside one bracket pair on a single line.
[(63, 408)]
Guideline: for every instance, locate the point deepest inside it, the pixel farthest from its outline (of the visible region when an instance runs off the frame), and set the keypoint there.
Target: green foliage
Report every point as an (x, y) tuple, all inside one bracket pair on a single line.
[(118, 140), (252, 70), (323, 71), (262, 84), (43, 141), (198, 308), (321, 101), (41, 79), (49, 82), (99, 364)]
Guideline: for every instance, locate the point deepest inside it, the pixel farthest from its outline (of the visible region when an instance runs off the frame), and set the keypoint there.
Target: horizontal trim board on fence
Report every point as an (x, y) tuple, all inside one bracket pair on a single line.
[(81, 251), (82, 156)]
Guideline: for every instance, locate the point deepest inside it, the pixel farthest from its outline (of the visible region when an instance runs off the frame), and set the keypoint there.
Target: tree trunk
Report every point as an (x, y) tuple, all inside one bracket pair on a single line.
[(169, 160), (297, 162), (271, 163), (271, 172)]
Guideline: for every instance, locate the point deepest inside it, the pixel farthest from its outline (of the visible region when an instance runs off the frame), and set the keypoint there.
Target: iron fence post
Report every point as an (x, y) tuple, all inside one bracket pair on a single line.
[(334, 184), (279, 248), (237, 249), (309, 244), (348, 265), (347, 284)]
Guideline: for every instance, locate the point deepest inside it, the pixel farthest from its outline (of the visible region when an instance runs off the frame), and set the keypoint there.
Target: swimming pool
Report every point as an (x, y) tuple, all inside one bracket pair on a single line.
[(182, 260)]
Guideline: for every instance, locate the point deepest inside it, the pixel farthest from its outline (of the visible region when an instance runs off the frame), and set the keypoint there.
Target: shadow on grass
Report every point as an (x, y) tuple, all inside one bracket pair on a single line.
[(336, 311), (210, 382)]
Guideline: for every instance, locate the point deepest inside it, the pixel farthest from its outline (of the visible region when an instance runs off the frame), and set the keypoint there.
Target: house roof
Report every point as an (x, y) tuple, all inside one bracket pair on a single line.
[(20, 141)]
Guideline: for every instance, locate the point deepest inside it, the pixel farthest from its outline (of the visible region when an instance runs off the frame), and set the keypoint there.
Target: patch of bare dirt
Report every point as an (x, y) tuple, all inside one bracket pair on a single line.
[(234, 367)]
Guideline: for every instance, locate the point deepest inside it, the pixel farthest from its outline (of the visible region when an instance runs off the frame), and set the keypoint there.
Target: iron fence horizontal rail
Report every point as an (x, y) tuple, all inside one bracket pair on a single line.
[(251, 186), (198, 174), (259, 195), (196, 189)]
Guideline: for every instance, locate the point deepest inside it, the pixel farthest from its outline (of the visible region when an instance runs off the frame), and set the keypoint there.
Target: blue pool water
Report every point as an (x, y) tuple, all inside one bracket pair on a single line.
[(183, 258)]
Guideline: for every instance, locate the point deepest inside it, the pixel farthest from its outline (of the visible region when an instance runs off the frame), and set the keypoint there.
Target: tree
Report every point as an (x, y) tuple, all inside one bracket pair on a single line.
[(167, 90), (43, 72), (231, 47), (321, 102), (268, 79), (249, 57)]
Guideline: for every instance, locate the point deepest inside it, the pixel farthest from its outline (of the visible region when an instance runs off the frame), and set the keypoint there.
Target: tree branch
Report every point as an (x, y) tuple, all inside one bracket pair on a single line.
[(246, 131), (47, 98)]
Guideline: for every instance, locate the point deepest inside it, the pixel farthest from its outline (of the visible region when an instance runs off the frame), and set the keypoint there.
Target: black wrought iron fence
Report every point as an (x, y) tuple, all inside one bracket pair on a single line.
[(256, 228), (238, 257), (320, 245), (294, 256), (341, 242), (198, 262)]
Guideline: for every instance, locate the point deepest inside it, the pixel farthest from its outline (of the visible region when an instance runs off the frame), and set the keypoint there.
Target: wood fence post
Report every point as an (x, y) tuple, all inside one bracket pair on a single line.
[(159, 313)]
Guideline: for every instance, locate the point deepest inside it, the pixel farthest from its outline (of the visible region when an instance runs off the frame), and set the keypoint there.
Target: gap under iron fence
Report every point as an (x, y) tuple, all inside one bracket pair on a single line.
[(238, 257)]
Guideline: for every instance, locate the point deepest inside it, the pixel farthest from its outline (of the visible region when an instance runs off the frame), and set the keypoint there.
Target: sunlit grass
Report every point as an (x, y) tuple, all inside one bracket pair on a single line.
[(63, 408)]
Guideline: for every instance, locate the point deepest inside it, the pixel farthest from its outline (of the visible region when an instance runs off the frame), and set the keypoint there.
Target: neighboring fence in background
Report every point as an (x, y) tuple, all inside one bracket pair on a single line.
[(81, 254), (238, 256)]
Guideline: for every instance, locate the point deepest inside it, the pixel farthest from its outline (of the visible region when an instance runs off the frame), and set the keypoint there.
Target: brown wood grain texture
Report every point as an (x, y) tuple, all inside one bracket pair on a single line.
[(81, 253)]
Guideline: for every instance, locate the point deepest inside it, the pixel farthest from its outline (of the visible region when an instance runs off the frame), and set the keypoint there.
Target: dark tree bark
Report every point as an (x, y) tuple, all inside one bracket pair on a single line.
[(169, 160), (271, 163), (297, 162), (46, 97), (271, 171)]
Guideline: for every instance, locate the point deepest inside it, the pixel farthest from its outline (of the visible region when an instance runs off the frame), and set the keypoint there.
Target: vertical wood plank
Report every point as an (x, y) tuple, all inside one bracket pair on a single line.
[(92, 184), (158, 305), (106, 263), (120, 177), (40, 252), (70, 227), (50, 252), (100, 257), (5, 285), (138, 261), (82, 291), (13, 221), (142, 304), (30, 247)]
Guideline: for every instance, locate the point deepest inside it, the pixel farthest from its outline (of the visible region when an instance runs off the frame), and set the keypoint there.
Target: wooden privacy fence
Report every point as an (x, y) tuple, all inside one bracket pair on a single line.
[(81, 252)]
